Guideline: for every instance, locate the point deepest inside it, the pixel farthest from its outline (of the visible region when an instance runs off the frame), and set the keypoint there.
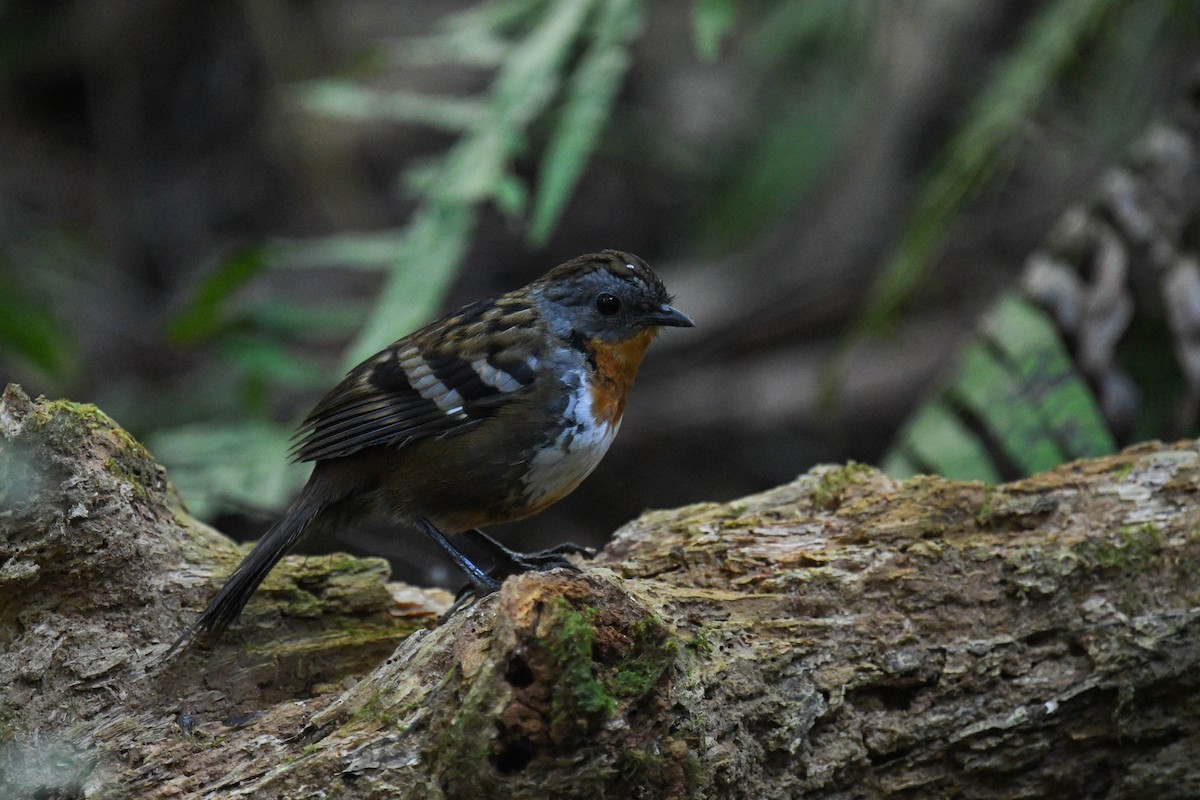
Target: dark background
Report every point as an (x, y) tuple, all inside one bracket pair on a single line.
[(150, 151)]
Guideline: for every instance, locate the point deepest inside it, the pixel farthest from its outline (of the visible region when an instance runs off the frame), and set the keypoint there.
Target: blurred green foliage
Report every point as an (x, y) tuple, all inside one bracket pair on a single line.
[(811, 69), (712, 20), (1014, 405), (30, 331), (237, 466), (1053, 42), (35, 266), (1097, 42), (208, 314)]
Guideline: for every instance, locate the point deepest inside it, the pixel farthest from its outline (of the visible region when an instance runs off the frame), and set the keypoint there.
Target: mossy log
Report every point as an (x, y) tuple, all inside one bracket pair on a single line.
[(845, 635)]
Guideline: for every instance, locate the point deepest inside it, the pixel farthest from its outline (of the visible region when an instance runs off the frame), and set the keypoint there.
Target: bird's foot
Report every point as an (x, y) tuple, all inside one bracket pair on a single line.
[(513, 562)]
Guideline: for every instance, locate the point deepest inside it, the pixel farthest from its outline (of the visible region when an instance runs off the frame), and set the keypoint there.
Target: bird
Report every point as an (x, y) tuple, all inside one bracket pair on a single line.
[(488, 415)]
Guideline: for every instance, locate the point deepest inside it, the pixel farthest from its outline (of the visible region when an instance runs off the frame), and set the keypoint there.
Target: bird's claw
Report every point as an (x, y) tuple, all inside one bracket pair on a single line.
[(514, 563)]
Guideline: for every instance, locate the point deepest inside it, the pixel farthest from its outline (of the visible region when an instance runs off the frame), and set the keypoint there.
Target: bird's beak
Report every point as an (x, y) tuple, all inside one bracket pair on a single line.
[(669, 317)]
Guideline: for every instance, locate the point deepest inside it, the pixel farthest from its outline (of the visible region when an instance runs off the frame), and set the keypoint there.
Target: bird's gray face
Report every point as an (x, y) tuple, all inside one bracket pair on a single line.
[(611, 304)]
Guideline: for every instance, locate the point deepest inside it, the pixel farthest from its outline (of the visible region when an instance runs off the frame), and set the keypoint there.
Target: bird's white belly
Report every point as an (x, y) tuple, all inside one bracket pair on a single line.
[(557, 468)]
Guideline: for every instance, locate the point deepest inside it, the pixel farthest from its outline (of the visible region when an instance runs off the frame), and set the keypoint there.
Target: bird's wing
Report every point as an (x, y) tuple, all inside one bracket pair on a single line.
[(409, 392)]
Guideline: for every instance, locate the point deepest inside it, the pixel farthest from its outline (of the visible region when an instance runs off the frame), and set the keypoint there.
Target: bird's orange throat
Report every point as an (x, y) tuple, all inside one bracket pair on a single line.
[(616, 367)]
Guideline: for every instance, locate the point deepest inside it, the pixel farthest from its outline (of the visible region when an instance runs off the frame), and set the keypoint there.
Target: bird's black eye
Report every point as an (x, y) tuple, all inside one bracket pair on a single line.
[(607, 304)]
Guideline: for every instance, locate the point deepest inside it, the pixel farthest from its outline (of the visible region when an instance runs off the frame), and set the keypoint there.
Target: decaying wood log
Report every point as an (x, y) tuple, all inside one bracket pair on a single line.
[(845, 635)]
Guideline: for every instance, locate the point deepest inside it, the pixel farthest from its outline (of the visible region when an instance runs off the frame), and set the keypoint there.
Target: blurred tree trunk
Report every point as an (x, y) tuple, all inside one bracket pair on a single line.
[(842, 635)]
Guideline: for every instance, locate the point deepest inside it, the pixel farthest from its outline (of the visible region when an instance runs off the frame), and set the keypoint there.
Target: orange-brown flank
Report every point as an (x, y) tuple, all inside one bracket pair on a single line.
[(616, 367)]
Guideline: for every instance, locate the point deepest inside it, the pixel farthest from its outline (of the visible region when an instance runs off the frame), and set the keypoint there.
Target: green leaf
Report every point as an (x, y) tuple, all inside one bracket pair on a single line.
[(1127, 50), (292, 320), (418, 278), (474, 171), (260, 361), (590, 92), (1046, 376), (361, 250), (350, 101), (1051, 43), (474, 37), (472, 48), (818, 31), (990, 391), (712, 20), (511, 196), (31, 331), (230, 467), (524, 87), (801, 128), (495, 17), (937, 441), (204, 317), (1016, 394), (794, 150)]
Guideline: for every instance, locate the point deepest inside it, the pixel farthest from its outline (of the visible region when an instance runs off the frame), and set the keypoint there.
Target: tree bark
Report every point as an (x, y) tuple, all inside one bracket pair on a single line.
[(845, 635)]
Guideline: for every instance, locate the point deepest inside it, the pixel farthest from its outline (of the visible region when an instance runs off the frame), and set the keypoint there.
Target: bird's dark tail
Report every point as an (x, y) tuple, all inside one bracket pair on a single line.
[(227, 604)]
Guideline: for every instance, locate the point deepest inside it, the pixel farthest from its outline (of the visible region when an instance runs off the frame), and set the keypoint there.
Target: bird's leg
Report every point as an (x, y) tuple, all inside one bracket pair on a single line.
[(512, 561), (481, 583), (509, 562)]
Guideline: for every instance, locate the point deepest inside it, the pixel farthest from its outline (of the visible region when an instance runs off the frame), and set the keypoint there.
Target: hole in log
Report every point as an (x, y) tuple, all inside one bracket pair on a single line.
[(518, 674), (880, 698), (514, 757), (1040, 638)]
